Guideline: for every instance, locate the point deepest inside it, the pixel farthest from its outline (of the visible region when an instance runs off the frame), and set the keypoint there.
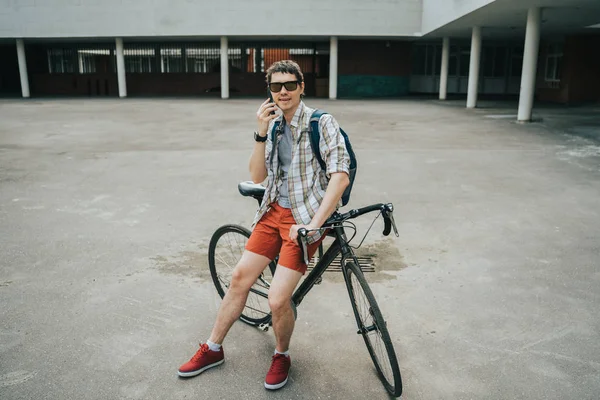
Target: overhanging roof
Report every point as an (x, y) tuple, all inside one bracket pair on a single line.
[(508, 19)]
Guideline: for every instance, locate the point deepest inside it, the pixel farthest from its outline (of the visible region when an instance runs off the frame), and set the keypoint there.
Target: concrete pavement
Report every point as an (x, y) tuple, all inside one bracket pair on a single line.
[(107, 207)]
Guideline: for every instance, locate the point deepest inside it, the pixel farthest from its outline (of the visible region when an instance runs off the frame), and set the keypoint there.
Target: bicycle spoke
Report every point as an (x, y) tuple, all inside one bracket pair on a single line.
[(371, 331), (224, 282), (228, 248), (257, 310), (264, 284), (224, 262), (233, 256)]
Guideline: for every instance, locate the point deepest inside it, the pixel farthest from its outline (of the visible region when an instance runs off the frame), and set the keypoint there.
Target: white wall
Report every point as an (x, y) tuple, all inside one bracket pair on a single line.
[(437, 13), (122, 18)]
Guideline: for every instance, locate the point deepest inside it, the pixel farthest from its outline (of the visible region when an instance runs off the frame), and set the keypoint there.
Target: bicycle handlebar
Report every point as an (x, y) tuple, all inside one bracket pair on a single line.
[(386, 209)]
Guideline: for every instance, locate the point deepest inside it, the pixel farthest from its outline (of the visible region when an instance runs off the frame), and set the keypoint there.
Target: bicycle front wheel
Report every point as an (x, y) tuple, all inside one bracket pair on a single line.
[(373, 328), (225, 250)]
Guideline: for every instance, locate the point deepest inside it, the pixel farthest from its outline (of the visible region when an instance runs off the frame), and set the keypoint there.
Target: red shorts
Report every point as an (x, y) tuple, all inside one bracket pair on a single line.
[(271, 236)]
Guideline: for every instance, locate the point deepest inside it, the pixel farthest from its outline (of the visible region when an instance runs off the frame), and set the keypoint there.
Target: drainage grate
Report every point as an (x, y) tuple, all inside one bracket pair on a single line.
[(366, 264)]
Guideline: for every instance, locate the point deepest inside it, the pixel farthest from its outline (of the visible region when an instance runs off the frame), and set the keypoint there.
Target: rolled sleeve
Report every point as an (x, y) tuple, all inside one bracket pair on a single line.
[(333, 147)]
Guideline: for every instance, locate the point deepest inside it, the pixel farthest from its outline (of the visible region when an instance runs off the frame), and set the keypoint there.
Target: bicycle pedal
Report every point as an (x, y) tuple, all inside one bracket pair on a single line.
[(263, 327)]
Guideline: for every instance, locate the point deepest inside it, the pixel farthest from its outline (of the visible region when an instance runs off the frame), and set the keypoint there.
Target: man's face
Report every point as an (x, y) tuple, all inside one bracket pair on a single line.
[(286, 99)]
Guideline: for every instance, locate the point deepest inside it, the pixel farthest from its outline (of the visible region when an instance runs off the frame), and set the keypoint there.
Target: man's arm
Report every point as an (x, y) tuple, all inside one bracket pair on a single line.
[(337, 162), (335, 189), (258, 167)]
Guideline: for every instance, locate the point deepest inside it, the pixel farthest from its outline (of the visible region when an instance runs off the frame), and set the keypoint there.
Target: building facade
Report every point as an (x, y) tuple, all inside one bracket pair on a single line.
[(544, 50)]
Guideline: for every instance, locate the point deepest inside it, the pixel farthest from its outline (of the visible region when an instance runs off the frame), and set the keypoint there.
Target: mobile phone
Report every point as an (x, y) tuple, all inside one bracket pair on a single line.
[(271, 99)]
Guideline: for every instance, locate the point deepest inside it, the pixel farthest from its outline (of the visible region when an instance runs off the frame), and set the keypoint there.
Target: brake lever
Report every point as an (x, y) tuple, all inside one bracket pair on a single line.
[(389, 222), (302, 234), (394, 224), (387, 228)]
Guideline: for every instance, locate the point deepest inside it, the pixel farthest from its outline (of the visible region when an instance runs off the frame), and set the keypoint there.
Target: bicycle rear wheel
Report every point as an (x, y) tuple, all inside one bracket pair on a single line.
[(225, 250), (373, 328)]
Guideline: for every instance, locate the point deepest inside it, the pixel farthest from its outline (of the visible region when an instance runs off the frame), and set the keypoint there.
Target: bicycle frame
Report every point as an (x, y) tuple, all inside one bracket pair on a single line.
[(340, 245)]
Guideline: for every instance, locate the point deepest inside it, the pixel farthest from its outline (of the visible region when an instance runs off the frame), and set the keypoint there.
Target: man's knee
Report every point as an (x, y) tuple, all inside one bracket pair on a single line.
[(243, 276), (278, 303), (239, 279)]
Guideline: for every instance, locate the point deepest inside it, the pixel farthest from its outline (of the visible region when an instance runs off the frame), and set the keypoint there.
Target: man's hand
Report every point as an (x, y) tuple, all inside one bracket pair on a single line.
[(294, 231), (263, 116)]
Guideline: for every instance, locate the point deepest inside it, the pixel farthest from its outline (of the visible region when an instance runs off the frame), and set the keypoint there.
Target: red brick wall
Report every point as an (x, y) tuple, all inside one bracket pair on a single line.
[(10, 82), (374, 57), (73, 84), (583, 58), (156, 84), (580, 72)]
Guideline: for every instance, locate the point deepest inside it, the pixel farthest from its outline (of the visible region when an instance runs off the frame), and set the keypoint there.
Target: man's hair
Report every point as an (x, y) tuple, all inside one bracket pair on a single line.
[(285, 67)]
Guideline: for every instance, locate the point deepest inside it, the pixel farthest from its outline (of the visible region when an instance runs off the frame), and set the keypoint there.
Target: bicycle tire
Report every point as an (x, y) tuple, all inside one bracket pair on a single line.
[(369, 320), (256, 310)]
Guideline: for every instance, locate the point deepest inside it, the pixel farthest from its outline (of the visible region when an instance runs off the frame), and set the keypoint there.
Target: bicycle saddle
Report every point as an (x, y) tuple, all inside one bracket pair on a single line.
[(250, 188)]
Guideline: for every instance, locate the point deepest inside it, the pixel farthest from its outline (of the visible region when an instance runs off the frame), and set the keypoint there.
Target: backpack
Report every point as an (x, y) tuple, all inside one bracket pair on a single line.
[(315, 136)]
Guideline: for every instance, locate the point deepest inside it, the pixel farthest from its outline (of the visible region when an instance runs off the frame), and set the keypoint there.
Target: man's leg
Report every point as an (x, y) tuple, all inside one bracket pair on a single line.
[(211, 354), (280, 294), (243, 277)]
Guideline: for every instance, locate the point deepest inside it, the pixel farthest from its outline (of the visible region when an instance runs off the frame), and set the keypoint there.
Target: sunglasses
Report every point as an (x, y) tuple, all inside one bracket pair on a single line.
[(276, 87)]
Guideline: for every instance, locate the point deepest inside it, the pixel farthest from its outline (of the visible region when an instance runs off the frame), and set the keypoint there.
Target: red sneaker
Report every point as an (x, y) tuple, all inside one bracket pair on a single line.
[(277, 376), (204, 359)]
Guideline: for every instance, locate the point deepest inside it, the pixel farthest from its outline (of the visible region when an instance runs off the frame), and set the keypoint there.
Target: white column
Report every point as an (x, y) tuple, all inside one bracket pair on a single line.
[(333, 67), (444, 70), (224, 68), (121, 68), (530, 56), (474, 67), (23, 67)]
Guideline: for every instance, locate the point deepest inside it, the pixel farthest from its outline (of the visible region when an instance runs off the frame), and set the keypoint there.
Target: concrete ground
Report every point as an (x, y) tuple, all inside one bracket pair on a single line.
[(107, 206)]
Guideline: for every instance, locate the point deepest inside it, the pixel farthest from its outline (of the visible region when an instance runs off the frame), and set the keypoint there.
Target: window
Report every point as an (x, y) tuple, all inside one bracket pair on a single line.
[(138, 60), (516, 66), (202, 59), (61, 61), (430, 58), (419, 60), (465, 60), (488, 61), (453, 61), (427, 60), (79, 60), (438, 60), (553, 62), (171, 60), (500, 62), (93, 60), (494, 62)]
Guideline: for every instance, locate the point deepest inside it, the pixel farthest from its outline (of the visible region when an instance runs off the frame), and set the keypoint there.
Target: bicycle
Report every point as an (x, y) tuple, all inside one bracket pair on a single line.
[(369, 319)]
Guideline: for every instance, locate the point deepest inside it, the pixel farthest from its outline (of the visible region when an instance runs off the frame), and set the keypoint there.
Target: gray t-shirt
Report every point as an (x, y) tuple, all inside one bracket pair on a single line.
[(284, 152)]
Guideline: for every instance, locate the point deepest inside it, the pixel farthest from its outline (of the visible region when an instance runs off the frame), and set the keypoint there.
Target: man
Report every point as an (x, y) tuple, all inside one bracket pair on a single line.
[(299, 194)]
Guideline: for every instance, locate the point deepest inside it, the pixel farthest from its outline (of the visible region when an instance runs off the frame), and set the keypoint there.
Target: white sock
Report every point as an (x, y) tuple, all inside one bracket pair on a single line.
[(213, 346), (286, 353)]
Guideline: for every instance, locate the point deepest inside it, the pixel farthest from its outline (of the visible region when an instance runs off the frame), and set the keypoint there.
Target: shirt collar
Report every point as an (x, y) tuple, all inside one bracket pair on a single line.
[(298, 115)]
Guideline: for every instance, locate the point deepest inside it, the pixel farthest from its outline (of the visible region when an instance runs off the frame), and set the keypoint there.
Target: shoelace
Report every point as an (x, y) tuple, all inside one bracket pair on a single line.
[(279, 364), (203, 350)]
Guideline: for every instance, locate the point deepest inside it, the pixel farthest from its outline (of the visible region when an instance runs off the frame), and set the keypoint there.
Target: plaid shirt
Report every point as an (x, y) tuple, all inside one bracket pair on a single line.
[(307, 182)]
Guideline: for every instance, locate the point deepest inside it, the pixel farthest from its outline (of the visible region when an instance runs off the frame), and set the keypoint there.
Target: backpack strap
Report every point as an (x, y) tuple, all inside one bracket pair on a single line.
[(276, 125), (315, 136)]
